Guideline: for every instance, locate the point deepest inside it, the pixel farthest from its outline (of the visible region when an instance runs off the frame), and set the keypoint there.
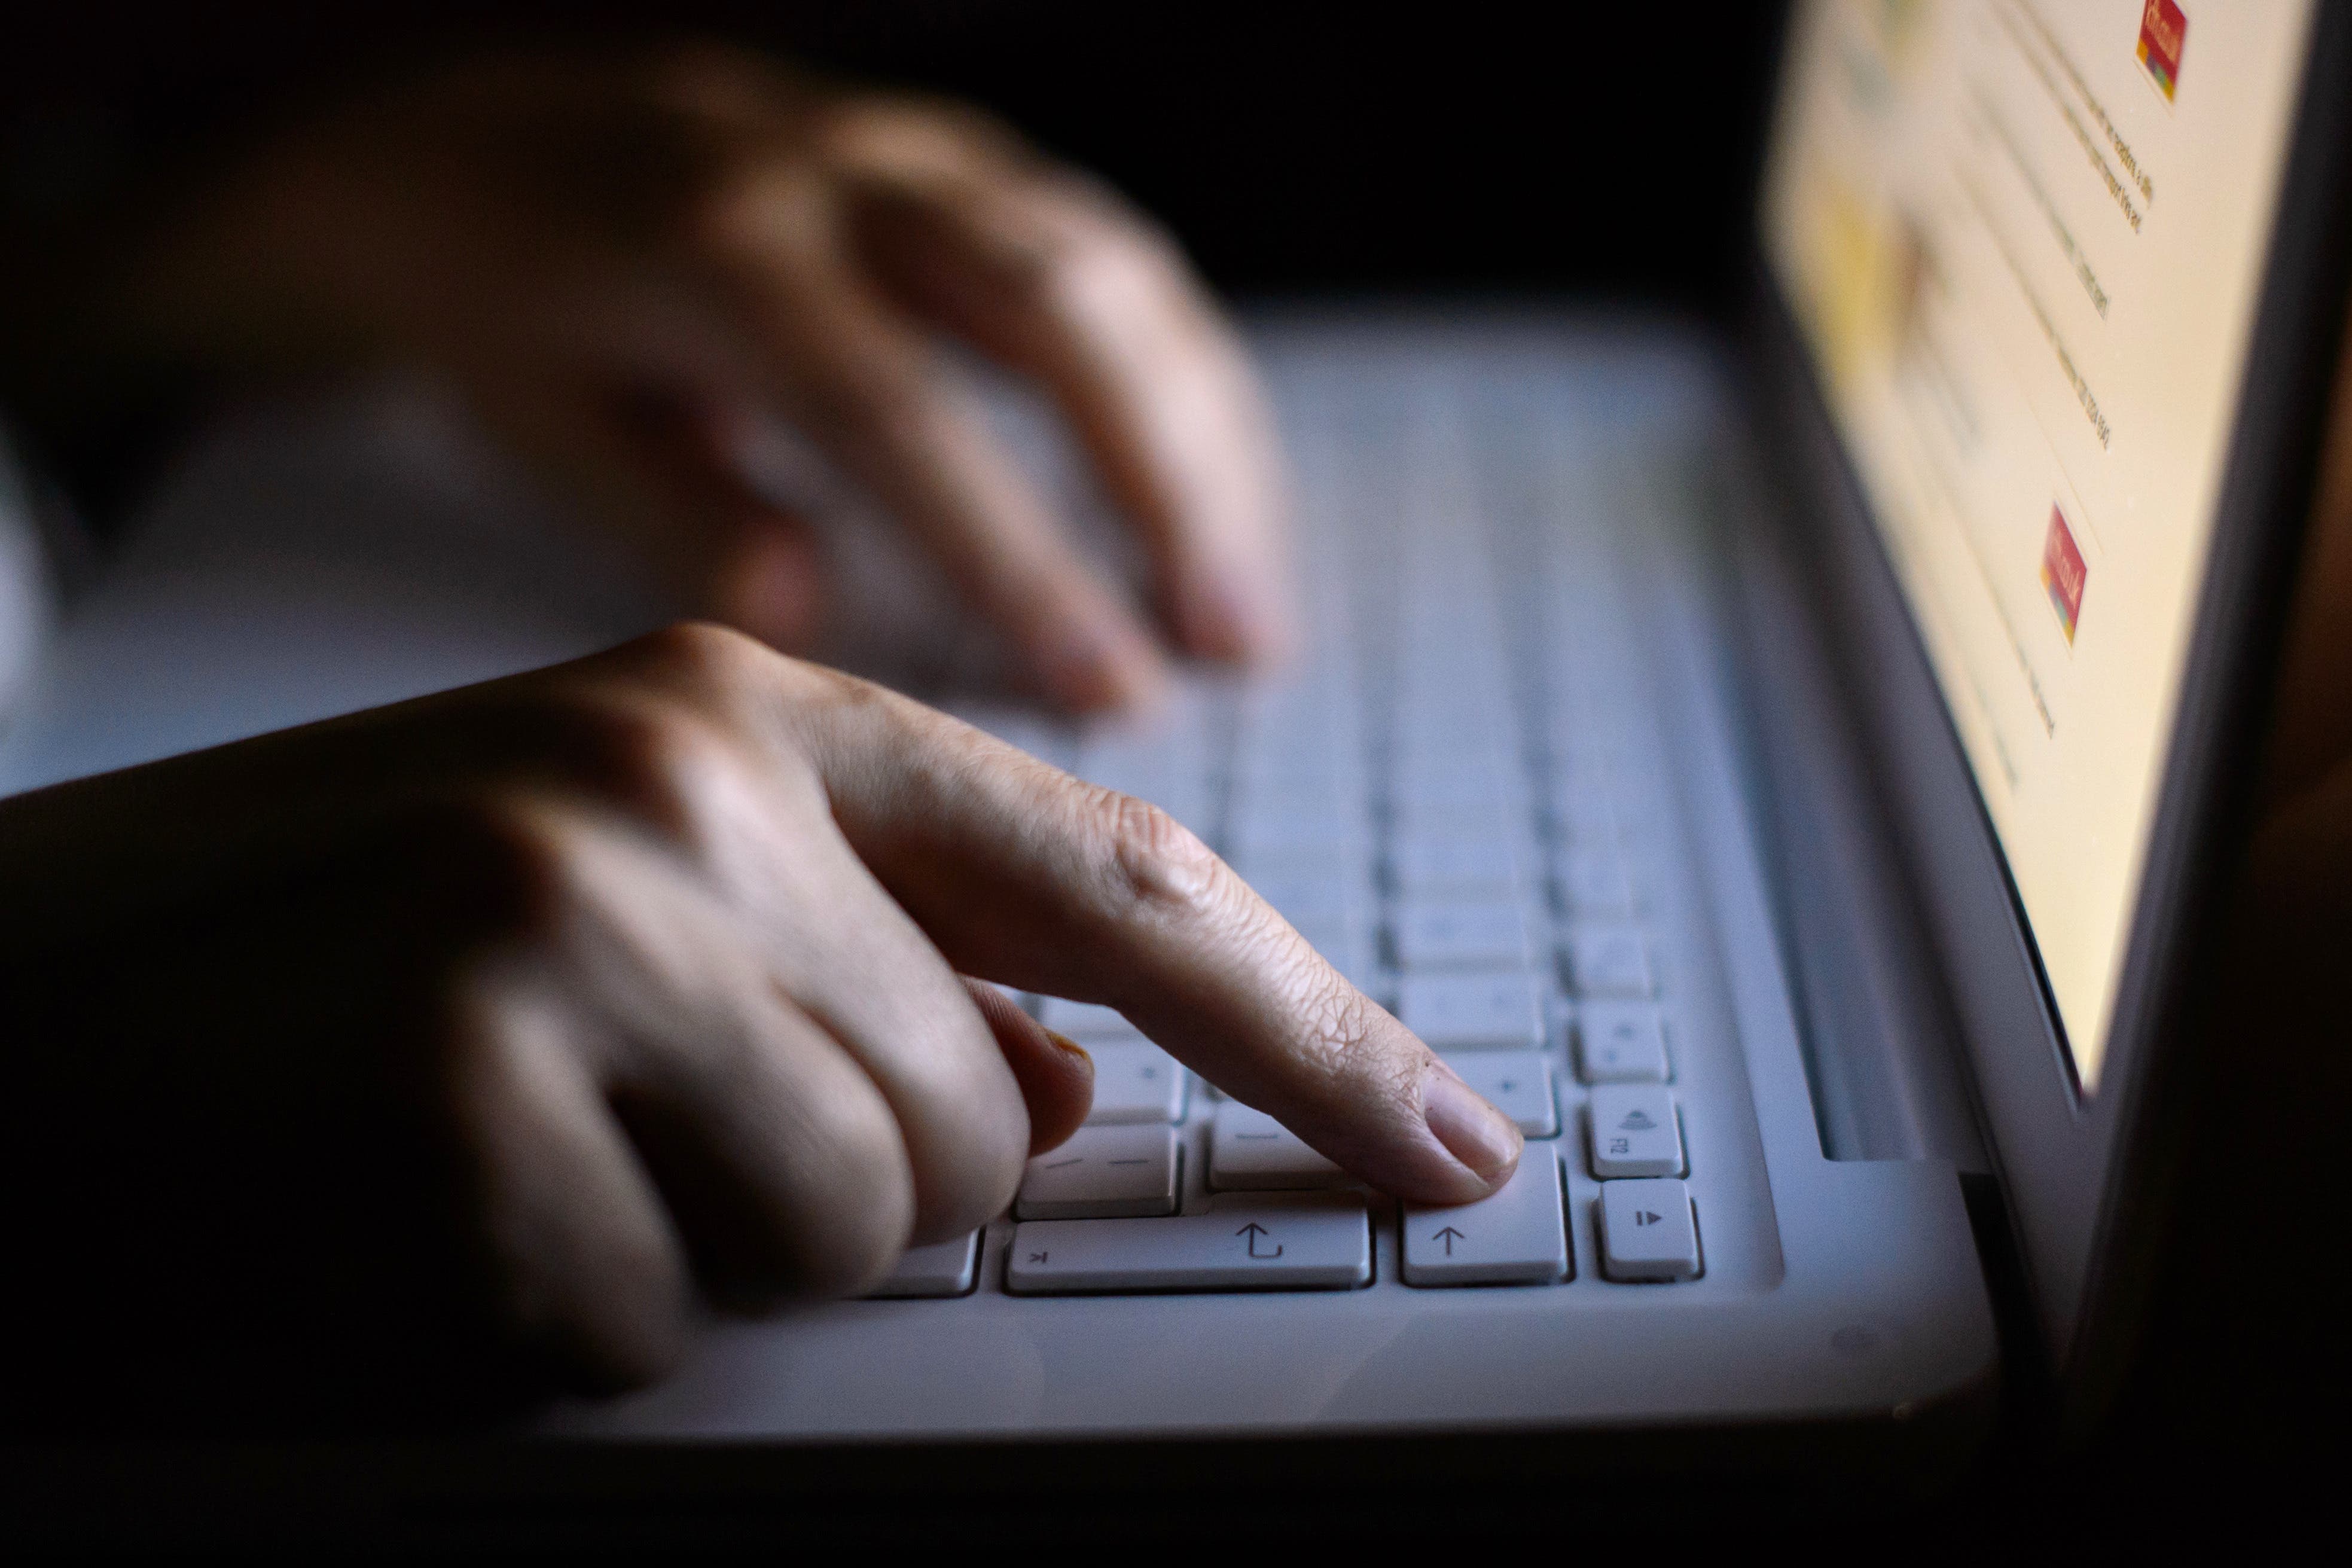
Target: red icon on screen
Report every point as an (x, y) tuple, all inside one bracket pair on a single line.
[(2063, 572), (2163, 32)]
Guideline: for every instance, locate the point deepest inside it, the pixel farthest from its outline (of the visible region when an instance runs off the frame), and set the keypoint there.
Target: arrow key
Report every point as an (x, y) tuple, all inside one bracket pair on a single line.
[(1516, 1238), (1649, 1231)]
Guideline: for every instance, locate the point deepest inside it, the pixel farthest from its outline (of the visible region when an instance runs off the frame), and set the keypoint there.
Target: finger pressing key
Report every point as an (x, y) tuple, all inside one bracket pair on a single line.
[(1025, 876)]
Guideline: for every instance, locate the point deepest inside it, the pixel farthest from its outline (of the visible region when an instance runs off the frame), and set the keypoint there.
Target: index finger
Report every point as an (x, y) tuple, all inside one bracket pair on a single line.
[(1025, 876)]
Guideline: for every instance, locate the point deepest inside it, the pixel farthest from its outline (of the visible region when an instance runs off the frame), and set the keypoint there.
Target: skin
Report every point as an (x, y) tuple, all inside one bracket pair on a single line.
[(503, 1036), (450, 1055), (631, 264)]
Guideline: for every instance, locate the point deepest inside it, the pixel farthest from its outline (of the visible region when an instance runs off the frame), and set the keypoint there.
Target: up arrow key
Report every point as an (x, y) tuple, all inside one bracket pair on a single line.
[(1516, 1236)]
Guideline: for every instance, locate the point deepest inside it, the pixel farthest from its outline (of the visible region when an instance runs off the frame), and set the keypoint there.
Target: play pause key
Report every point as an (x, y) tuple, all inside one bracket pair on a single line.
[(1648, 1231)]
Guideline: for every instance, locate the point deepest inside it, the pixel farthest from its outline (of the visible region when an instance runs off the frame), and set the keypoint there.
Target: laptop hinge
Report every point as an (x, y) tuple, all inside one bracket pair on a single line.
[(1880, 1049)]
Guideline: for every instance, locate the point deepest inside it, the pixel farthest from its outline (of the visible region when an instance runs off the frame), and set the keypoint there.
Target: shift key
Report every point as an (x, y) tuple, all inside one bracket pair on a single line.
[(1278, 1241)]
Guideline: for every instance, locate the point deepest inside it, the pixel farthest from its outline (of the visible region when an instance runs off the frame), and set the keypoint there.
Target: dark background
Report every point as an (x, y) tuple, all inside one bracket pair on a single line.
[(1465, 147)]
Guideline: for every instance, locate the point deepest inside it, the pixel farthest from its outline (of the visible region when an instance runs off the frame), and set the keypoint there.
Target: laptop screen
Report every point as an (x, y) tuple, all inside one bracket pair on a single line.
[(2024, 239)]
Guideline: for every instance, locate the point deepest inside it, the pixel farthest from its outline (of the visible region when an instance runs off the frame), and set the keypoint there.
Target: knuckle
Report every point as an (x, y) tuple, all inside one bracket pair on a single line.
[(1153, 860), (665, 765), (708, 659), (501, 854), (741, 200), (909, 134), (1099, 271), (1348, 1028)]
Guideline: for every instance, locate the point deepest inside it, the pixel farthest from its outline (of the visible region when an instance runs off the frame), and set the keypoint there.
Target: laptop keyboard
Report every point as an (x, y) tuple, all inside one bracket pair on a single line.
[(1450, 797)]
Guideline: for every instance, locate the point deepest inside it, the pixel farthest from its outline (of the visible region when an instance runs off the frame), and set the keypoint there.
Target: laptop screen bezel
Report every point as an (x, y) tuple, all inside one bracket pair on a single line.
[(2082, 1174)]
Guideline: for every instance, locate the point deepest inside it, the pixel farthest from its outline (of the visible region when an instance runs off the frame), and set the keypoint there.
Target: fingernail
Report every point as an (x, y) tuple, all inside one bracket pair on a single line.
[(1063, 1043), (1221, 619), (1087, 667), (1473, 1132), (1234, 620)]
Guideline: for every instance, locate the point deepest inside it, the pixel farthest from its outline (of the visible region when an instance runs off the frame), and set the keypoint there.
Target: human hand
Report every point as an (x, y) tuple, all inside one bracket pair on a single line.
[(532, 1015), (628, 262)]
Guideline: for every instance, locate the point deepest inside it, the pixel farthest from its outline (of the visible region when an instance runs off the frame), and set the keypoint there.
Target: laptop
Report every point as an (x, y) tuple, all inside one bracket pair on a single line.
[(1785, 770)]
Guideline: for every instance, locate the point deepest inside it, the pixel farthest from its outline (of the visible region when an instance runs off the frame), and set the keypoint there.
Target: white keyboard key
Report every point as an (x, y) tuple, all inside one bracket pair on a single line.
[(1440, 732), (1609, 961), (1251, 1152), (1283, 1241), (1344, 832), (1103, 1173), (1619, 1042), (1580, 817), (1648, 1231), (1504, 821), (1422, 866), (1590, 880), (1471, 1012), (1086, 1021), (1135, 1082), (1518, 1236), (1333, 864), (1280, 795), (1461, 936), (1634, 1131), (1343, 944), (1438, 789), (1517, 1083), (941, 1269), (1299, 899)]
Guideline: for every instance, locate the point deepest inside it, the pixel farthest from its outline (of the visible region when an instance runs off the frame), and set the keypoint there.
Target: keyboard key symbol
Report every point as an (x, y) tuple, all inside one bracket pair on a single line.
[(1449, 1236), (1638, 1120), (1643, 1216), (1255, 1232)]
